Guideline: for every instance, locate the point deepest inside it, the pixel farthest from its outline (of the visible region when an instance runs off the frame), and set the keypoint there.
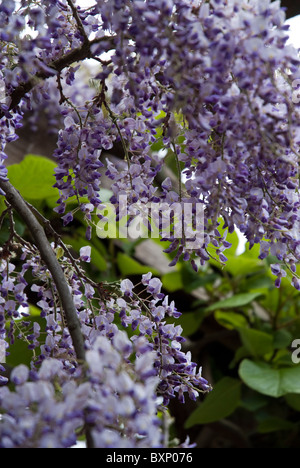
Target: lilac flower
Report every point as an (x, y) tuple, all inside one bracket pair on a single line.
[(154, 287), (85, 254), (3, 380), (146, 278), (279, 272), (126, 287), (20, 375), (124, 375)]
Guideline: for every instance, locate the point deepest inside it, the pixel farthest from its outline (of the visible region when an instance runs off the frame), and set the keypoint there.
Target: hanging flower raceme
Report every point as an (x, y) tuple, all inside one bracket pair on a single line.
[(118, 394), (117, 400), (213, 82)]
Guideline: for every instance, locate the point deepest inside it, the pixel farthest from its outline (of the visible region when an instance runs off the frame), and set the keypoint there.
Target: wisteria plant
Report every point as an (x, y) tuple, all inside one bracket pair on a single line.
[(211, 83)]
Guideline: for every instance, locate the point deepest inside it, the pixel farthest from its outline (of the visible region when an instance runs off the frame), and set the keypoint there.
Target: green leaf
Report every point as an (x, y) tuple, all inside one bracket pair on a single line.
[(256, 342), (219, 403), (293, 400), (19, 353), (230, 320), (243, 265), (59, 252), (261, 377), (34, 311), (190, 322), (129, 266), (239, 355), (2, 204), (238, 300), (172, 281), (271, 300), (254, 402), (282, 339), (282, 358), (273, 424), (253, 252), (257, 282), (233, 238), (5, 229), (192, 280), (34, 177)]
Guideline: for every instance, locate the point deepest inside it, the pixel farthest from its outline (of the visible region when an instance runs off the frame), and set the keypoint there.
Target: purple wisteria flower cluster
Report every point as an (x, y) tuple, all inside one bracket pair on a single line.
[(48, 409), (226, 69), (209, 83), (211, 80), (124, 383), (150, 316)]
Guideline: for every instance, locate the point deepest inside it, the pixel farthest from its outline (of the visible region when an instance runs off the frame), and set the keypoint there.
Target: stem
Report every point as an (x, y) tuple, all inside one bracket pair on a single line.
[(78, 21), (178, 171), (60, 242), (49, 257), (115, 121)]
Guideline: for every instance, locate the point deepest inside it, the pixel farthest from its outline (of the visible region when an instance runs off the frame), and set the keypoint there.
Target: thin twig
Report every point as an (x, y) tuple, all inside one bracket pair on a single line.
[(60, 242)]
